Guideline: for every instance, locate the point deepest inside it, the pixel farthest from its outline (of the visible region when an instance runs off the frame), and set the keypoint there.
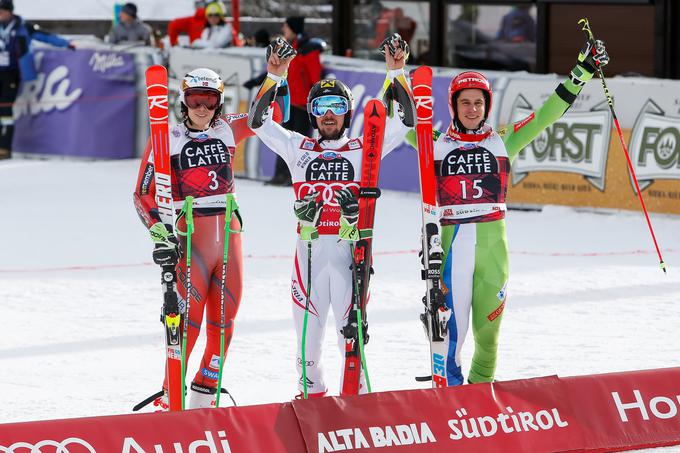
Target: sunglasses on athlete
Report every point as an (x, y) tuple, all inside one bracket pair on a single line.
[(207, 98), (338, 105)]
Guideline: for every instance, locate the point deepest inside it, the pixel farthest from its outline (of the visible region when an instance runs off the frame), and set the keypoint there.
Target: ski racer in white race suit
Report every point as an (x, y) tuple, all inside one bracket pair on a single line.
[(322, 168)]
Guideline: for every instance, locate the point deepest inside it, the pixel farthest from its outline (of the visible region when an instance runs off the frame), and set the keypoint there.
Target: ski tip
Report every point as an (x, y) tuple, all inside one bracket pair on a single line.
[(156, 67)]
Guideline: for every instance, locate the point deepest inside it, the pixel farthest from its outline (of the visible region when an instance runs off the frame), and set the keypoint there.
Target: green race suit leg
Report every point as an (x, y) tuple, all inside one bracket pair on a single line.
[(488, 297)]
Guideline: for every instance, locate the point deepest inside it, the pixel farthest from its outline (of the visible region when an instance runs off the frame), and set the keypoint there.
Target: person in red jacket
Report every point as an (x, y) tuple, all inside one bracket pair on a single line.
[(304, 71), (192, 25)]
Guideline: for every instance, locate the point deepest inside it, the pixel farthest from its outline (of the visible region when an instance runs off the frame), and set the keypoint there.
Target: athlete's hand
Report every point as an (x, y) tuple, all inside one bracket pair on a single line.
[(308, 212), (349, 209), (395, 50), (593, 55), (349, 204), (279, 55), (166, 246)]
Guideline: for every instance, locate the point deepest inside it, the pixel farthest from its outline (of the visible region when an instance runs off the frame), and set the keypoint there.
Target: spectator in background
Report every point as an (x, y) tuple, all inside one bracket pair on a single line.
[(304, 71), (518, 25), (261, 38), (218, 33), (393, 21), (17, 64), (192, 26), (129, 28)]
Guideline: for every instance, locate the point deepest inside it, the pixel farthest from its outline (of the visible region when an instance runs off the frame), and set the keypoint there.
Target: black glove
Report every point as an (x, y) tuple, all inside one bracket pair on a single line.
[(593, 55), (166, 249), (308, 212), (349, 204), (282, 48), (394, 42)]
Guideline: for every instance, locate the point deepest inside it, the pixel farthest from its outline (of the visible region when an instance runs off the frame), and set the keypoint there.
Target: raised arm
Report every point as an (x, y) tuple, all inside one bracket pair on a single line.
[(397, 93), (260, 115), (521, 133)]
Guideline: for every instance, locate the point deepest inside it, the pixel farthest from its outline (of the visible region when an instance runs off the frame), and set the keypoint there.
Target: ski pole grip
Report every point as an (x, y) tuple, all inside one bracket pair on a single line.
[(231, 210), (189, 202), (585, 26)]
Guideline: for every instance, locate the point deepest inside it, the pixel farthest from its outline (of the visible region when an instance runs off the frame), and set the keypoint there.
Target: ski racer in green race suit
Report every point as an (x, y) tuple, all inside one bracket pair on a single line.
[(472, 164)]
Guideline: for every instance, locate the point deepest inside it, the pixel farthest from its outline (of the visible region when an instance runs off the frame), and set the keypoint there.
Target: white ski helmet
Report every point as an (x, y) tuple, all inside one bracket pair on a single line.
[(202, 79)]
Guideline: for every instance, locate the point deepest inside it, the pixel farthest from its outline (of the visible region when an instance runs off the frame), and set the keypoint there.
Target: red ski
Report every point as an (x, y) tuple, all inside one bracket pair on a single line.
[(436, 315), (157, 95), (355, 331)]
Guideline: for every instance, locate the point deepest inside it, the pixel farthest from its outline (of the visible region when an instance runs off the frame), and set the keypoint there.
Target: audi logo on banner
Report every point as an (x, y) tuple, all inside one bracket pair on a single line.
[(70, 445), (327, 190)]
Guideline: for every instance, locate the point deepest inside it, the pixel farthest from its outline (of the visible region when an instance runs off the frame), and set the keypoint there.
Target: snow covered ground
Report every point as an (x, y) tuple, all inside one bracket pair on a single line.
[(80, 298)]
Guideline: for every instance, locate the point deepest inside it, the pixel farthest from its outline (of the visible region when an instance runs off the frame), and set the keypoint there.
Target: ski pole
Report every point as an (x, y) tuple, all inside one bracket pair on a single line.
[(585, 26), (304, 322), (187, 213), (308, 235), (231, 210)]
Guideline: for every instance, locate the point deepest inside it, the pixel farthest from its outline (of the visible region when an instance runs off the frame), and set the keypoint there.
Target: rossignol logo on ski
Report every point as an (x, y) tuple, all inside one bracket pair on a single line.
[(655, 145), (423, 104), (158, 102)]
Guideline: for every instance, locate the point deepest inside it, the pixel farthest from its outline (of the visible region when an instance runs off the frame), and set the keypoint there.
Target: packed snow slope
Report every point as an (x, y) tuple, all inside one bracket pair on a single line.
[(80, 298)]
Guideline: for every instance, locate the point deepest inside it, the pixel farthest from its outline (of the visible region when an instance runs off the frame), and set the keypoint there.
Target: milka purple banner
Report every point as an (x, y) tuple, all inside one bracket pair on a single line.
[(399, 170), (82, 104)]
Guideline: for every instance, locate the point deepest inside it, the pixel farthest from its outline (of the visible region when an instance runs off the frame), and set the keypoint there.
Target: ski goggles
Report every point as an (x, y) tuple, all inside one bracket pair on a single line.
[(207, 98), (338, 105)]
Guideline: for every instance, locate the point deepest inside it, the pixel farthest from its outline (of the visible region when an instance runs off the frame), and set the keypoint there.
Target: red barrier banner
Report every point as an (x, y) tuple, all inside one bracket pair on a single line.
[(265, 428), (591, 413), (608, 412), (625, 410), (515, 416)]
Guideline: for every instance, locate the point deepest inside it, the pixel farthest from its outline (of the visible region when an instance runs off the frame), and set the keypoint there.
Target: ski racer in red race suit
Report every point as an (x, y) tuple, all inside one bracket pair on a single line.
[(202, 150), (326, 172)]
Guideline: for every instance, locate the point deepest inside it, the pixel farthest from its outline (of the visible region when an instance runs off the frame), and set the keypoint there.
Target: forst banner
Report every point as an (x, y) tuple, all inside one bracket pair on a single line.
[(82, 104), (579, 161)]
